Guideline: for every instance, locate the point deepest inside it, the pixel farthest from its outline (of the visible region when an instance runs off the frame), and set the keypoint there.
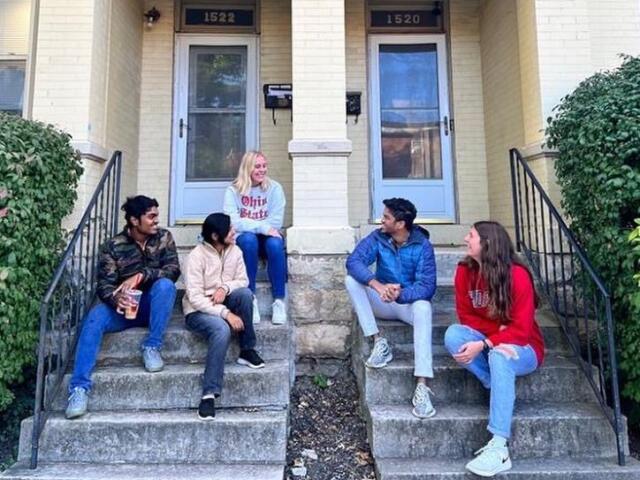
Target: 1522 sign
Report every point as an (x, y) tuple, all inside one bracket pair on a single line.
[(235, 17)]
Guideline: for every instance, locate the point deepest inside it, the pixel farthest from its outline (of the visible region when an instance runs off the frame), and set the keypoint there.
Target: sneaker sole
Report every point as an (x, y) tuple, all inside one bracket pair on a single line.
[(206, 419), (484, 473), (242, 361), (74, 415), (428, 415), (154, 370), (367, 364)]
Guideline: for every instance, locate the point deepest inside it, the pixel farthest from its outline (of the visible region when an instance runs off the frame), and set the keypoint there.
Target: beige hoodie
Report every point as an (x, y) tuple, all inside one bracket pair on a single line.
[(204, 271)]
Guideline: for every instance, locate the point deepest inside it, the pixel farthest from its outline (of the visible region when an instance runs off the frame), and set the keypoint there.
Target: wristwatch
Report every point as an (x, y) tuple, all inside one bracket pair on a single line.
[(486, 346)]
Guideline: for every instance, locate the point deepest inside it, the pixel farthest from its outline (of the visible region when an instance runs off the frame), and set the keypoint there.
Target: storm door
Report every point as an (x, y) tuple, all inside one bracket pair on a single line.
[(410, 124), (215, 120)]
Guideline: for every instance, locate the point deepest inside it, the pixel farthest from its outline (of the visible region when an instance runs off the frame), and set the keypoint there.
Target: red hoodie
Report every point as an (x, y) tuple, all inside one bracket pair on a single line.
[(472, 297)]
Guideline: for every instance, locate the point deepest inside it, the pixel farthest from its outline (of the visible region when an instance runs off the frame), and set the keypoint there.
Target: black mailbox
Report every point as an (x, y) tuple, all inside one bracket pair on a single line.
[(278, 95)]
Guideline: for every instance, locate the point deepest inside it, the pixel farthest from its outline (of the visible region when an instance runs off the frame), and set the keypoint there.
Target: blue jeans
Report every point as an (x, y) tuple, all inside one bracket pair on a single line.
[(156, 306), (497, 371), (217, 333), (256, 246)]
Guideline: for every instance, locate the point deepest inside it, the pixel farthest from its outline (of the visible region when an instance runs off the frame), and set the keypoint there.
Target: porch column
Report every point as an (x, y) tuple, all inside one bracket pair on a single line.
[(319, 148)]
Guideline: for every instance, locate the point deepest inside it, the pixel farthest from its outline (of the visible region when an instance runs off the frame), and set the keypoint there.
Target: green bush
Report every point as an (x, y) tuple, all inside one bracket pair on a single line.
[(596, 131), (39, 172)]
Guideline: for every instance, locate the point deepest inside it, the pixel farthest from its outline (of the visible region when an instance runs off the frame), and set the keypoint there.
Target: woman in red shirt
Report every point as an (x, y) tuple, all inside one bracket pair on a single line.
[(498, 338)]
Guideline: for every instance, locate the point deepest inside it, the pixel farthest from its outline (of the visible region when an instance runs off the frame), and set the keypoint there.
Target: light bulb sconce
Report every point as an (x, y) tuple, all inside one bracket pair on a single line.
[(151, 17)]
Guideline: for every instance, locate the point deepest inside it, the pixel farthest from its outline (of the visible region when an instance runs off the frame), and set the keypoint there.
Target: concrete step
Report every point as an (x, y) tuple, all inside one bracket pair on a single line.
[(539, 430), (182, 346), (83, 471), (558, 380), (143, 437), (535, 469), (180, 386), (400, 334)]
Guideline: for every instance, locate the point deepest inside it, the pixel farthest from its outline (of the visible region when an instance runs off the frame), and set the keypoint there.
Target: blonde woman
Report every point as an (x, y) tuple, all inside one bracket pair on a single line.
[(255, 204)]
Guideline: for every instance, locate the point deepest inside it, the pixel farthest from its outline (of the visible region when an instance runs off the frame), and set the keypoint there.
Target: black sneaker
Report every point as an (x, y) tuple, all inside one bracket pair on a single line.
[(250, 358), (207, 409)]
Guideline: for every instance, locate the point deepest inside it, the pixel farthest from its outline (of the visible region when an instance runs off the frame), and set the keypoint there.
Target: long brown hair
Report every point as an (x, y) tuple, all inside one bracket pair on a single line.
[(497, 256)]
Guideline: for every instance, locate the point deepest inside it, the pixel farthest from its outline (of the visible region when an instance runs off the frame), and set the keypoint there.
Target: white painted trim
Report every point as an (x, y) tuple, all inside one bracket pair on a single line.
[(181, 81), (324, 147)]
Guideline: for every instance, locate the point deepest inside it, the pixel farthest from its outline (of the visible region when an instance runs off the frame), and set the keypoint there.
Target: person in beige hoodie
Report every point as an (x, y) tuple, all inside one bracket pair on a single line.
[(218, 303)]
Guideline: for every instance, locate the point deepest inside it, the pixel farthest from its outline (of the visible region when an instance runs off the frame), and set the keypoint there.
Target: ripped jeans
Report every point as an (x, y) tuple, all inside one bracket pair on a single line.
[(497, 371)]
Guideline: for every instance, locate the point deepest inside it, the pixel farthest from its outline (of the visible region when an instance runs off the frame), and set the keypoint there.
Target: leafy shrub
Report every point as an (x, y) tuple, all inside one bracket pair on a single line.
[(596, 131), (39, 172)]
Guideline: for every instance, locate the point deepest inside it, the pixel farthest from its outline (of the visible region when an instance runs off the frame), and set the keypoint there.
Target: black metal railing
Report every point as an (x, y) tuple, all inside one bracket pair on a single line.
[(71, 293), (577, 296)]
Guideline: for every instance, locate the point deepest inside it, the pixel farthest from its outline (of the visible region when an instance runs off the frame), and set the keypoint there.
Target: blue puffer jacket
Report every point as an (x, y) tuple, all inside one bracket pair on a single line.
[(413, 265)]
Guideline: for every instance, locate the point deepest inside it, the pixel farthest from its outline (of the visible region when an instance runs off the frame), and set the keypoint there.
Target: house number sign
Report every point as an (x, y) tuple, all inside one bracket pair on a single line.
[(219, 17), (404, 19)]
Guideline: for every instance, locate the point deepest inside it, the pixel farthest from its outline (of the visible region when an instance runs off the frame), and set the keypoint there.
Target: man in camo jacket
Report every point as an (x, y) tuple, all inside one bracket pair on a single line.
[(143, 256)]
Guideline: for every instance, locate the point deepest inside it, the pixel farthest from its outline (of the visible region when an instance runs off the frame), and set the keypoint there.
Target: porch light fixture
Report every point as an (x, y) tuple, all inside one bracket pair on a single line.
[(151, 17)]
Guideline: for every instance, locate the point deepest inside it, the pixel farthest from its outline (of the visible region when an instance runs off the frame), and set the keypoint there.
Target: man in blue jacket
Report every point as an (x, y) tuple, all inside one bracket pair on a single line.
[(401, 288)]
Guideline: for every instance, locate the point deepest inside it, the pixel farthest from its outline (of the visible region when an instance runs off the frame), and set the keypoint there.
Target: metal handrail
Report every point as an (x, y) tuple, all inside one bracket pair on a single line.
[(71, 293), (578, 297)]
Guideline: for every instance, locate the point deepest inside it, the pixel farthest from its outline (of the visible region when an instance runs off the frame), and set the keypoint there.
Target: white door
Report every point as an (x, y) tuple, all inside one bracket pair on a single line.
[(215, 120), (410, 136)]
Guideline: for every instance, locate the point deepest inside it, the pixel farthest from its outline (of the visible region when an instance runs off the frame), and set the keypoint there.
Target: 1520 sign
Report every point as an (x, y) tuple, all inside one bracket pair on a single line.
[(404, 18), (235, 17)]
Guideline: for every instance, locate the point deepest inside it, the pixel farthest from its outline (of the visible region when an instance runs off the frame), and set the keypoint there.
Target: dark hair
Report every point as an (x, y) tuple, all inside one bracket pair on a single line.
[(137, 206), (497, 255), (218, 223), (402, 210)]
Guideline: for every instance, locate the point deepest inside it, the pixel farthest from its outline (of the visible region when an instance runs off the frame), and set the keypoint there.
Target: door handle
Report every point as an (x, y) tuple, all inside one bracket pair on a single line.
[(446, 125), (182, 126)]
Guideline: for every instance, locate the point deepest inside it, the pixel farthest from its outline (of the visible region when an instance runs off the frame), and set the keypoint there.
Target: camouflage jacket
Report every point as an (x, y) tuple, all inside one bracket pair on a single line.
[(121, 258)]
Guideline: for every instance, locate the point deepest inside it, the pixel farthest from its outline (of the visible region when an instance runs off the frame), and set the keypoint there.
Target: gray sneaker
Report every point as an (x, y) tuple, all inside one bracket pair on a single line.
[(152, 359), (380, 355), (422, 407), (77, 406)]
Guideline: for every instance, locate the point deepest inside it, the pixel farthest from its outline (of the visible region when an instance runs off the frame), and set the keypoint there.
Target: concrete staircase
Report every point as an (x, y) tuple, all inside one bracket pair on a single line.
[(559, 431), (144, 425)]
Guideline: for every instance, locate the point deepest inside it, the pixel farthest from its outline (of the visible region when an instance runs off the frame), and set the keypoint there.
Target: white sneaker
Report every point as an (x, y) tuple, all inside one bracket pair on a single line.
[(279, 312), (491, 460), (256, 311)]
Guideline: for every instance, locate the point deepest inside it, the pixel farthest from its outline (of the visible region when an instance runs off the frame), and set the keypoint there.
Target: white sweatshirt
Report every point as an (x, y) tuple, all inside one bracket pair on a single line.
[(258, 211)]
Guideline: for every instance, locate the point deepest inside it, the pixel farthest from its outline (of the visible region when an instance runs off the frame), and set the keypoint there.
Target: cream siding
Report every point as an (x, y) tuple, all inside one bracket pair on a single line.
[(358, 164), (275, 67), (470, 160), (14, 27), (156, 109), (502, 99)]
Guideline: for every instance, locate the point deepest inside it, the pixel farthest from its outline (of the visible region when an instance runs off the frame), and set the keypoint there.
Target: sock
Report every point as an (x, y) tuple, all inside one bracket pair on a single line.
[(210, 395), (499, 441)]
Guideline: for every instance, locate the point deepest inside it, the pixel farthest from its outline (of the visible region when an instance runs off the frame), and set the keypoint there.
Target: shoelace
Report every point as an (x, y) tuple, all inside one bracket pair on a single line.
[(421, 394), (75, 396), (488, 447), (380, 348)]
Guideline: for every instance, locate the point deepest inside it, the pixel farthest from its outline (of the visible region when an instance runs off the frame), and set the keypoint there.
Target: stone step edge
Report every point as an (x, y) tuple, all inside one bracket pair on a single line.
[(432, 468), (104, 471)]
